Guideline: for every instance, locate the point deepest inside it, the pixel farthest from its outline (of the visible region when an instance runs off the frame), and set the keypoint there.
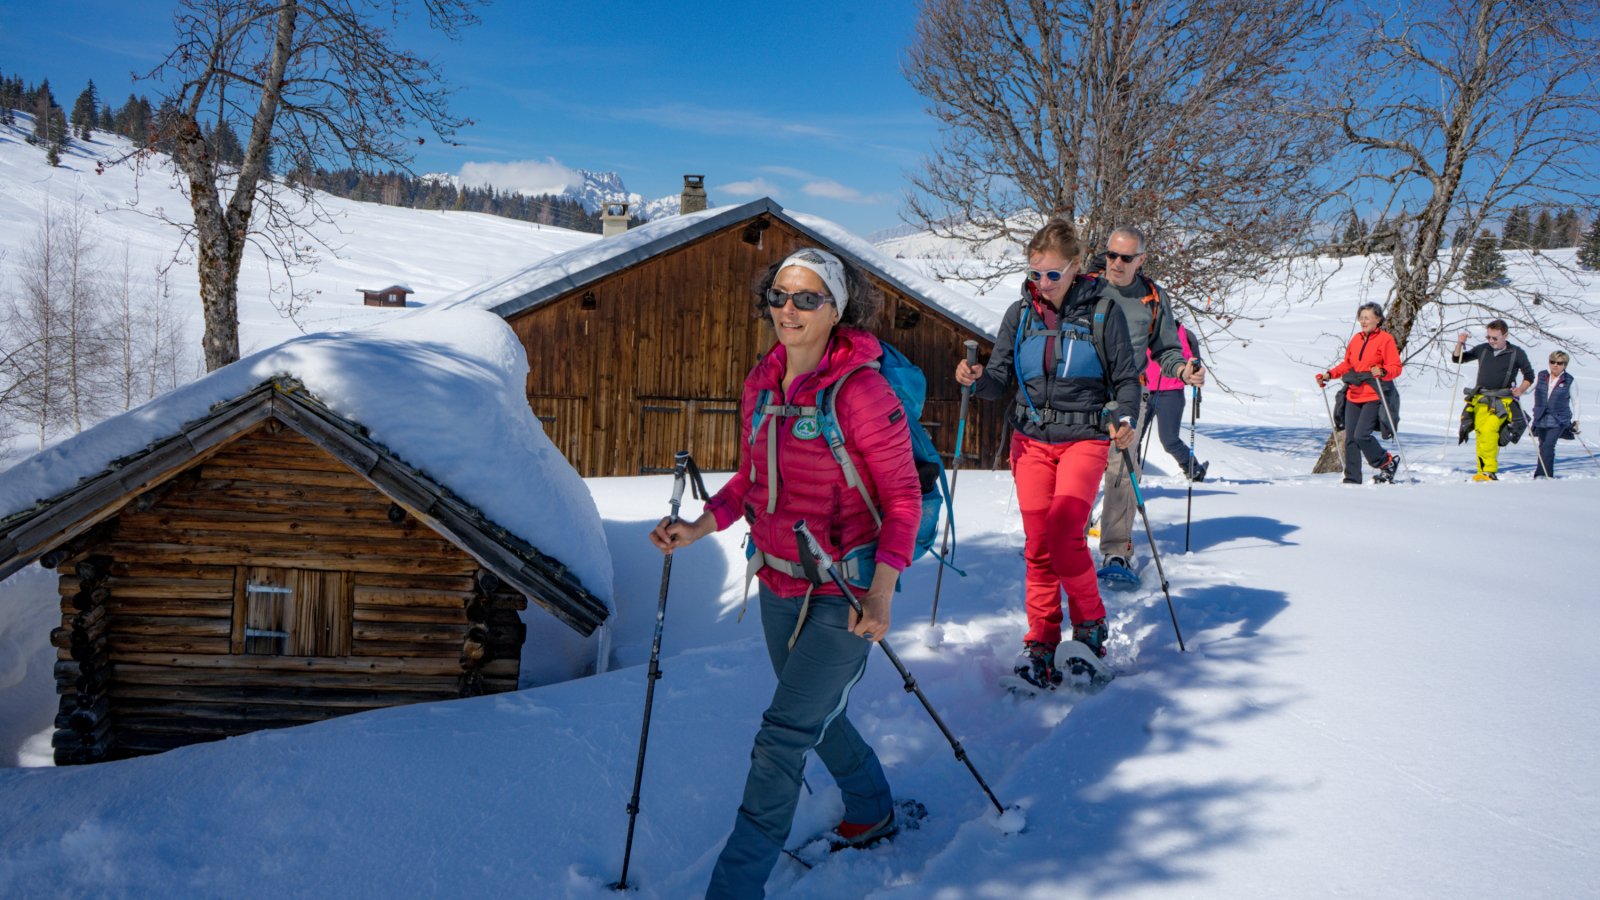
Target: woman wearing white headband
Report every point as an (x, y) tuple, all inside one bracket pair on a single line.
[(819, 306)]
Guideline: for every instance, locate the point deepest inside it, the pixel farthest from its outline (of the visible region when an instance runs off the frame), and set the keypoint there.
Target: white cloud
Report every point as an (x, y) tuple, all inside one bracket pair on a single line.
[(833, 190), (528, 176), (759, 187), (788, 170)]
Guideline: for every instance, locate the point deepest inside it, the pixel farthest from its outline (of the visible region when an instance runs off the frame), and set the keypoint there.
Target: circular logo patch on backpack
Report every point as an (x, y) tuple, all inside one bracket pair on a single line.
[(807, 428)]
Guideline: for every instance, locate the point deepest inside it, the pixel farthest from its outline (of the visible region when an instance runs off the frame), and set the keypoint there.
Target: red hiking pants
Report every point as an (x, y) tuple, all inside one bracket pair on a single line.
[(1056, 484)]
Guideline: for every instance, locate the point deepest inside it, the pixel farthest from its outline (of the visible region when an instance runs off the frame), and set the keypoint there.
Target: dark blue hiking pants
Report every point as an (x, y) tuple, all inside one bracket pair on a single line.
[(807, 712)]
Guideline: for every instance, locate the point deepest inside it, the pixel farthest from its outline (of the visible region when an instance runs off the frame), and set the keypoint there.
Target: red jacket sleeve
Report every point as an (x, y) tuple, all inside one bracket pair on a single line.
[(1347, 363), (875, 423), (1389, 358), (727, 505)]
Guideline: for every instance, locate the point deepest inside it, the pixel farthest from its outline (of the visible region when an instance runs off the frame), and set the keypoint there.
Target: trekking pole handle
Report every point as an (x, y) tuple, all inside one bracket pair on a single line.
[(972, 352), (680, 466)]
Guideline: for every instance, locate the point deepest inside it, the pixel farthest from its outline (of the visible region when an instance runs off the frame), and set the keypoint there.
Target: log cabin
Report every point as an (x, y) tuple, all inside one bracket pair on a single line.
[(271, 564), (392, 296), (638, 344)]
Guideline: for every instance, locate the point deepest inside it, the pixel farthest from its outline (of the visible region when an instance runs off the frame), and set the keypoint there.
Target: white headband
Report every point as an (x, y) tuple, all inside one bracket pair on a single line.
[(828, 267)]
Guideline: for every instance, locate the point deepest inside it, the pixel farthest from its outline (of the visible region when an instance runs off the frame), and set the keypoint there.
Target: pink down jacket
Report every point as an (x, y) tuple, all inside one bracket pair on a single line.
[(811, 485), (1154, 380)]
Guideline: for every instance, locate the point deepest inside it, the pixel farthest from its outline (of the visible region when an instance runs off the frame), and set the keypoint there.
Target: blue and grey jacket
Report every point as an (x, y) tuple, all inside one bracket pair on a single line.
[(1064, 400)]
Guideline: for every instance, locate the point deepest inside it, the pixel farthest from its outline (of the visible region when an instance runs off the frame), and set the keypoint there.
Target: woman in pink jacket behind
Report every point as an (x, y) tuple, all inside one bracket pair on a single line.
[(818, 305)]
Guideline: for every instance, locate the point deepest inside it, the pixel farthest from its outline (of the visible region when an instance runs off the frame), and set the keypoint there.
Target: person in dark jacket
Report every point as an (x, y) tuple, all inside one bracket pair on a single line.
[(1491, 403), (1552, 412), (820, 306), (1071, 398), (1370, 358), (1152, 332)]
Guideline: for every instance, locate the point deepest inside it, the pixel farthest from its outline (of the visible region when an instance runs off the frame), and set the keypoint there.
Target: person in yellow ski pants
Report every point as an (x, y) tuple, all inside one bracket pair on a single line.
[(1486, 425)]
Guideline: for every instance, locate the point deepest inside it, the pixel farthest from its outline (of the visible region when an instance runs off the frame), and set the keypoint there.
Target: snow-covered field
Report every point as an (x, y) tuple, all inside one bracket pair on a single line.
[(1388, 692)]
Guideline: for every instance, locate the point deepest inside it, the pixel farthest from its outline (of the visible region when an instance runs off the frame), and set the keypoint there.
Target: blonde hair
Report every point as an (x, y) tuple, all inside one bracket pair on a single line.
[(1057, 235), (1558, 356)]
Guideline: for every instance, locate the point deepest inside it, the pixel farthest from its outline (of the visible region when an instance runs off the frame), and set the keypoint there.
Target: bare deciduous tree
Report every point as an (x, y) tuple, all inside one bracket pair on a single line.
[(1165, 114), (1454, 112), (317, 81)]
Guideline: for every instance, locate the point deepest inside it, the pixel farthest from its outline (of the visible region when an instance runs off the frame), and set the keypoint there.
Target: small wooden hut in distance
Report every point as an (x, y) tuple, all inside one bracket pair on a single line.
[(638, 344), (393, 295), (271, 564)]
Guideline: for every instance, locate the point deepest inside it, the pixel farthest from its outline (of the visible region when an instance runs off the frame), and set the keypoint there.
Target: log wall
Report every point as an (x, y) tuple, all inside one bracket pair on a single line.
[(628, 370), (165, 620)]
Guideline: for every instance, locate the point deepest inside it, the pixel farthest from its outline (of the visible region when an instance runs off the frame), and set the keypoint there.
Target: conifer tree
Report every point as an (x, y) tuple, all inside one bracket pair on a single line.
[(108, 119), (1518, 231), (1486, 268), (1589, 253), (1463, 237), (1543, 231), (1568, 230), (83, 112)]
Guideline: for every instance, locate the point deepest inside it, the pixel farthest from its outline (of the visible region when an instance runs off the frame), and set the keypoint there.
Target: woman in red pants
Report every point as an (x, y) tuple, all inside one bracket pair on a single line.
[(1073, 393)]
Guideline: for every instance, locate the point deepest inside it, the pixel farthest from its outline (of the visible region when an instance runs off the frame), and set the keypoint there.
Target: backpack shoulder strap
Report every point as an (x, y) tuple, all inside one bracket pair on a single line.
[(832, 432), (1097, 336)]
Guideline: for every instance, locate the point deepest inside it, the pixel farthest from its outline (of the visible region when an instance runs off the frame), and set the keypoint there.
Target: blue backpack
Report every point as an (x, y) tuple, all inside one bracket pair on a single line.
[(911, 386)]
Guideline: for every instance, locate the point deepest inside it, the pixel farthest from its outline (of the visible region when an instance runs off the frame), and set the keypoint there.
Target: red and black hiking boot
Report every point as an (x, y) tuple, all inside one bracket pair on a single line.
[(849, 834), (1092, 634), (1037, 665)]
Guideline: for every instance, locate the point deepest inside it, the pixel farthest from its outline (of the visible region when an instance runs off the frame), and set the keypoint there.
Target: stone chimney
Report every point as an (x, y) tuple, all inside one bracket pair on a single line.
[(613, 218), (694, 194)]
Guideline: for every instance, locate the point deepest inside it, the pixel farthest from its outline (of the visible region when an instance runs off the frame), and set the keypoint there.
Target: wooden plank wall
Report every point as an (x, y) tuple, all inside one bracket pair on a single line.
[(678, 332), (275, 500)]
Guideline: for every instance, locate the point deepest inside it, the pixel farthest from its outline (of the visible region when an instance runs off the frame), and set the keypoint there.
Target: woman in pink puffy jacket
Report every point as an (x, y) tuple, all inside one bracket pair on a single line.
[(818, 304)]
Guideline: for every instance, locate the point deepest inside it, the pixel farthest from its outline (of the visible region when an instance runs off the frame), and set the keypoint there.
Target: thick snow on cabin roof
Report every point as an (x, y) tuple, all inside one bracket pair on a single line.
[(392, 287), (443, 392), (556, 275)]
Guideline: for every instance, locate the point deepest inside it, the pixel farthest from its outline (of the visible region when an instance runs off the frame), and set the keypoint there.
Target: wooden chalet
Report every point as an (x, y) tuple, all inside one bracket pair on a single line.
[(393, 295), (271, 565), (638, 344)]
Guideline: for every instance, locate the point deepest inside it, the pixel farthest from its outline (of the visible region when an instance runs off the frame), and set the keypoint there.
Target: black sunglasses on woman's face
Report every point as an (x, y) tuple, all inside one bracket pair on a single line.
[(805, 301)]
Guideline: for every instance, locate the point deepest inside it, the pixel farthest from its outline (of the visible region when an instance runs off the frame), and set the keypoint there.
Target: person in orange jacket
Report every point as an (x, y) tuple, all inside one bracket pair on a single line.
[(1372, 356)]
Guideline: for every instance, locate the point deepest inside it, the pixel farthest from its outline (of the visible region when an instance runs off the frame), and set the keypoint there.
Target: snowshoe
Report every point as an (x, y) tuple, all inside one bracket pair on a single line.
[(1486, 476), (907, 815), (1197, 473), (1117, 574), (1385, 473), (1082, 666)]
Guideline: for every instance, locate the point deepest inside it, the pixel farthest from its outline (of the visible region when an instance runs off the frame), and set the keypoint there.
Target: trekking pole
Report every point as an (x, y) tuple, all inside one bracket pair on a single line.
[(1378, 386), (1450, 405), (1334, 428), (682, 464), (1138, 495), (817, 564), (955, 471), (1188, 513)]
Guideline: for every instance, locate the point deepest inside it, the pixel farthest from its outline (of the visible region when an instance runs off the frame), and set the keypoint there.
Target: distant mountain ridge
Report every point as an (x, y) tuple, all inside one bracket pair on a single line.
[(595, 189)]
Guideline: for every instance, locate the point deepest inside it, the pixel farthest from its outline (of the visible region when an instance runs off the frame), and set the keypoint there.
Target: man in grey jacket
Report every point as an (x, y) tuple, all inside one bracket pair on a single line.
[(1150, 327)]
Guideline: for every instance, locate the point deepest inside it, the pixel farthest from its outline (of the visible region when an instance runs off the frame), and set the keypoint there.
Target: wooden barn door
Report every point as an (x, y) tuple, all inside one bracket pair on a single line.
[(708, 429), (292, 612)]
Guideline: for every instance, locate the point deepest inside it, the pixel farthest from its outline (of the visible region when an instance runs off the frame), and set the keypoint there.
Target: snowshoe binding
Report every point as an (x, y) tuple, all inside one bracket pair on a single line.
[(1486, 476), (1197, 471), (1036, 668), (906, 815), (1385, 473), (1117, 574)]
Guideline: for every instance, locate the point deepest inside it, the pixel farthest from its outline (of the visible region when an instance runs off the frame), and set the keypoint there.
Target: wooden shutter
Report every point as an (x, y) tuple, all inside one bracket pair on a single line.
[(292, 612)]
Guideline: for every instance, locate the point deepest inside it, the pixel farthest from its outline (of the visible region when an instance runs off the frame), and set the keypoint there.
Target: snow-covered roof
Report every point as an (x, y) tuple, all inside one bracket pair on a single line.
[(392, 287), (557, 275), (440, 396)]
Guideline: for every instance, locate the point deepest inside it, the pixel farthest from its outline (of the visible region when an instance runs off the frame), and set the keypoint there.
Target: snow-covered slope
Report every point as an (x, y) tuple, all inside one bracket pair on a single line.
[(434, 252)]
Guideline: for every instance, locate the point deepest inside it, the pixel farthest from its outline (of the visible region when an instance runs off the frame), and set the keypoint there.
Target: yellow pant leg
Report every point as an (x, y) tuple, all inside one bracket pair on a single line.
[(1487, 426)]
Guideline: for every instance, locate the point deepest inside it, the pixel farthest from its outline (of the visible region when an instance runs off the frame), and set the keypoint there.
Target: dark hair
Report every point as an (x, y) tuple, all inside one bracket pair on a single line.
[(862, 305), (1377, 310), (1060, 236), (1500, 326)]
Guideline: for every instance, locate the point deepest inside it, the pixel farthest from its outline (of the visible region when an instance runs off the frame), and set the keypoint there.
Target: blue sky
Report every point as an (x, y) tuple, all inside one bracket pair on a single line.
[(801, 102)]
